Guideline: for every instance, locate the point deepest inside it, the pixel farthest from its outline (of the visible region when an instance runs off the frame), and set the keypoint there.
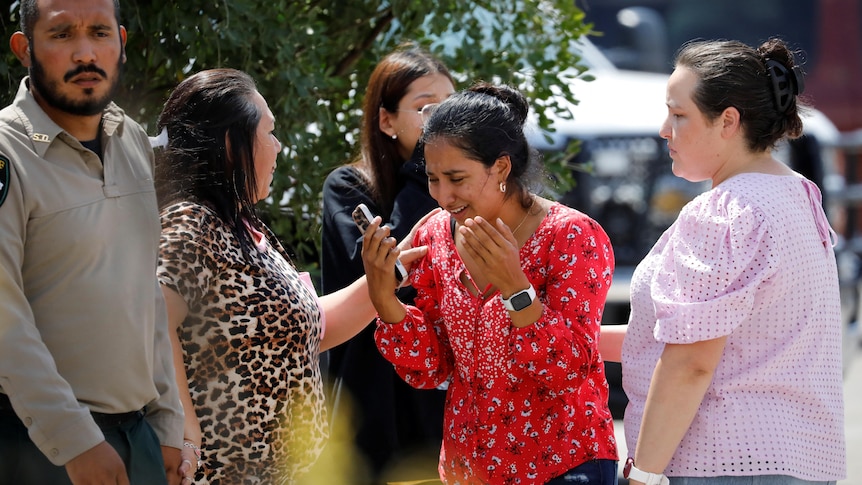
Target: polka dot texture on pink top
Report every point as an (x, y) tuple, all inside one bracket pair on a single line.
[(751, 260)]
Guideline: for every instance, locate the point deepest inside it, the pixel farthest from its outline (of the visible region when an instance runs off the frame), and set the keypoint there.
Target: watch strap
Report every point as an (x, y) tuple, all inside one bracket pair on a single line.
[(516, 297), (633, 473)]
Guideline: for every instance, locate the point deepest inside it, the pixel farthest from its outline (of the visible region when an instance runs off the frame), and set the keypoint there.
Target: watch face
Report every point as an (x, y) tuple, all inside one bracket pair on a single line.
[(628, 467), (521, 300)]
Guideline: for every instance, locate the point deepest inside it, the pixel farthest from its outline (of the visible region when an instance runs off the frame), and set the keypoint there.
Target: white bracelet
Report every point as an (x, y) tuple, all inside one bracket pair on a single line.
[(197, 451)]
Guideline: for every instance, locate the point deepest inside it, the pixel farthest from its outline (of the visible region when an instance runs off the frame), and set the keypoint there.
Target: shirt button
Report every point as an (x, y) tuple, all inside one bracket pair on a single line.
[(28, 421), (55, 452)]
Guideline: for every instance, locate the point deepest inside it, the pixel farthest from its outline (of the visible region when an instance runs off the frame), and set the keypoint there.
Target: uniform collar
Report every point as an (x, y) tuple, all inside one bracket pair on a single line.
[(42, 130)]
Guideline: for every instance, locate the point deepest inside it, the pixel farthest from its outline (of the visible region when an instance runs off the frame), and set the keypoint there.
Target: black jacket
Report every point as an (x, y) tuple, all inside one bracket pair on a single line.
[(396, 421)]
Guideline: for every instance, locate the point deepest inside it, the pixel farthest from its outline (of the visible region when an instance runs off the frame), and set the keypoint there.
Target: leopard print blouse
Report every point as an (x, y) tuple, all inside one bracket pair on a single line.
[(251, 349)]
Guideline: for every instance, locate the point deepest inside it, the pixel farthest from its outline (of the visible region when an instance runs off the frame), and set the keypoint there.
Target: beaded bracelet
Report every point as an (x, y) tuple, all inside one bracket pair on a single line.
[(197, 451)]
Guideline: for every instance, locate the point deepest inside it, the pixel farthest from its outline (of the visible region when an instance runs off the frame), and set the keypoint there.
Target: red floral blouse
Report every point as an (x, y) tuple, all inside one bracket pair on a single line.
[(524, 404)]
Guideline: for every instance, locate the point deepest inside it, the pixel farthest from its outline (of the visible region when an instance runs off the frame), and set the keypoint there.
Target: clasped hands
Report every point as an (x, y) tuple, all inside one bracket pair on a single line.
[(492, 247)]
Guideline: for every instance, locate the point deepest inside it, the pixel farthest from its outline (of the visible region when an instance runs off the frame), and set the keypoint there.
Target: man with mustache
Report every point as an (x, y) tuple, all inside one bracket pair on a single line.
[(87, 388)]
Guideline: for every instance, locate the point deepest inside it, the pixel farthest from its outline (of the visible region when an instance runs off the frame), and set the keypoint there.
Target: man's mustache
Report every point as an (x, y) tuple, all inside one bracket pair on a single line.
[(82, 69)]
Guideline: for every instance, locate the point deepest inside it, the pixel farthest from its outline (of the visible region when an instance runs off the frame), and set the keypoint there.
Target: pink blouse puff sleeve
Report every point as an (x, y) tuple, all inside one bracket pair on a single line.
[(718, 257)]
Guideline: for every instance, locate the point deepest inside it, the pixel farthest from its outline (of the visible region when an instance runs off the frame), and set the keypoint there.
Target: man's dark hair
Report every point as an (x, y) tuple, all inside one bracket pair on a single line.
[(29, 13)]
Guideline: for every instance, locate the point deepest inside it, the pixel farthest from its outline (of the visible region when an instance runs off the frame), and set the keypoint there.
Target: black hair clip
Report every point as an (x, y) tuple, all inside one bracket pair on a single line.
[(785, 84)]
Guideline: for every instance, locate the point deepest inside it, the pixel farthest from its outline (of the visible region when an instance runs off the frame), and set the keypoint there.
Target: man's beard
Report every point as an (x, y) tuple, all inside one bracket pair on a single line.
[(50, 93)]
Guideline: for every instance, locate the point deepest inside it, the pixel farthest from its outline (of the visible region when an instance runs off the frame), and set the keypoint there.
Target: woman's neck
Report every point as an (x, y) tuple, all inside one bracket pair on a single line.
[(762, 162)]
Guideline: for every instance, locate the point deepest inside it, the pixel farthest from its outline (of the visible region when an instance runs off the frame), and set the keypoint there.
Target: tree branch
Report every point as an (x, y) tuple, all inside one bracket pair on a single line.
[(344, 66)]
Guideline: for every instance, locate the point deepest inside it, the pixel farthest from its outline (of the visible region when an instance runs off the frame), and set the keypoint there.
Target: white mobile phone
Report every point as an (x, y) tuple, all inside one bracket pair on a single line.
[(362, 217)]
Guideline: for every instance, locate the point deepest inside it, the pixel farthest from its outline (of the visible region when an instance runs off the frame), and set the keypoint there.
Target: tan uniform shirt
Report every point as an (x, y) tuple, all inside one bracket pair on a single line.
[(82, 321)]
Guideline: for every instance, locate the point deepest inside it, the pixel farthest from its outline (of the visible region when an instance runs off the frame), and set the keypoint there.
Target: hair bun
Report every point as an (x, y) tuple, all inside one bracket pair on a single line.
[(508, 95)]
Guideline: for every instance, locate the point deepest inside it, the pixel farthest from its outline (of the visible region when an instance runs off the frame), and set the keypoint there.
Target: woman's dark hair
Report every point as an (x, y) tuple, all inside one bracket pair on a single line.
[(211, 122), (731, 73), (379, 157), (487, 122)]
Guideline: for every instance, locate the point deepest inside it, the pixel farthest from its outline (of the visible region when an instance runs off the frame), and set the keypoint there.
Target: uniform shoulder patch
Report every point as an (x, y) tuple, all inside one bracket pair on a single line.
[(4, 178)]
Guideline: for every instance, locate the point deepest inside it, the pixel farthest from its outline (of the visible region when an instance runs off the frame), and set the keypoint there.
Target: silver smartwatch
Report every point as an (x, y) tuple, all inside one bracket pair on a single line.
[(519, 300)]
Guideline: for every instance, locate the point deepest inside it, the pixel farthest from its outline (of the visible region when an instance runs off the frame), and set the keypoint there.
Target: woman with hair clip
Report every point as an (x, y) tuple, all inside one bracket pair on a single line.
[(397, 428), (508, 307), (246, 327), (732, 360)]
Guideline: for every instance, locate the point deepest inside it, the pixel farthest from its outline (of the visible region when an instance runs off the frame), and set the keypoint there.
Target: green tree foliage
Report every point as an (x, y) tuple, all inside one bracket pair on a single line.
[(312, 59)]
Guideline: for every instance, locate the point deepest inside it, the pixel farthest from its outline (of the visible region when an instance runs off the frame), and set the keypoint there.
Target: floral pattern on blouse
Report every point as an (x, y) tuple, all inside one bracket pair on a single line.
[(524, 404)]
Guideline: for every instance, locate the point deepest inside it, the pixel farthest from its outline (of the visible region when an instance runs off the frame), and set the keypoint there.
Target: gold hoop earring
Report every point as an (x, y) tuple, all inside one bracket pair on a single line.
[(503, 187)]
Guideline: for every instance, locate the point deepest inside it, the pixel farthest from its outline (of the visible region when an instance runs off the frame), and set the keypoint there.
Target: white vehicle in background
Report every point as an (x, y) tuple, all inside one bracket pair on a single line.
[(626, 182)]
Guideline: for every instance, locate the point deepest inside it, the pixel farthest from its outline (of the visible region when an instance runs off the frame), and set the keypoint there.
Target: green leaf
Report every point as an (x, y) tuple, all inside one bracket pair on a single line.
[(311, 60)]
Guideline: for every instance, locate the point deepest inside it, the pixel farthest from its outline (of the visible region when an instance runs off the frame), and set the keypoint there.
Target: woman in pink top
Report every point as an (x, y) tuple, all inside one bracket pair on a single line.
[(732, 361), (508, 307)]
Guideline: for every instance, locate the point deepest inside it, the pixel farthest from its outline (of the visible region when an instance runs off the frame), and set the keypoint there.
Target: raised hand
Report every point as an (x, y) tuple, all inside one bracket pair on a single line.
[(379, 253), (495, 252)]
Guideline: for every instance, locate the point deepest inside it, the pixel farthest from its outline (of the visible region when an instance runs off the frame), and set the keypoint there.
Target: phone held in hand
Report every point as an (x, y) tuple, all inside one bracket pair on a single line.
[(362, 217)]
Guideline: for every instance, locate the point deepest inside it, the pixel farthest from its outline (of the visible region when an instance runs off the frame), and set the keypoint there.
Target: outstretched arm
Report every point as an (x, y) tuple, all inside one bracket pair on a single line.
[(611, 342), (350, 309)]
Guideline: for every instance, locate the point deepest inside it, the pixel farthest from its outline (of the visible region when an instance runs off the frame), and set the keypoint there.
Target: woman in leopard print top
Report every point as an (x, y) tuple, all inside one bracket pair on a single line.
[(247, 331)]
